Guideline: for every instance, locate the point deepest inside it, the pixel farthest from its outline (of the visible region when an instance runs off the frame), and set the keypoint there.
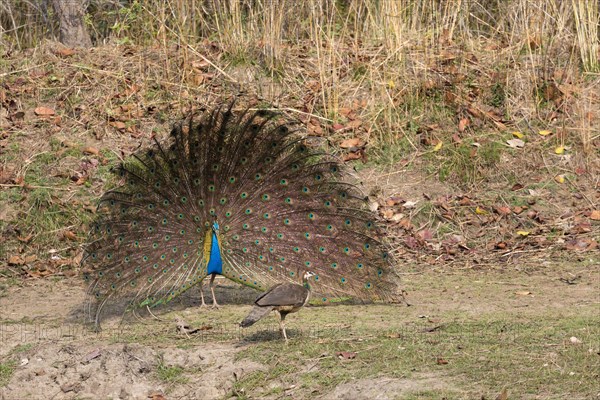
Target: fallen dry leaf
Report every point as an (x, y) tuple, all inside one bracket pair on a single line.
[(25, 239), (595, 215), (30, 258), (349, 143), (503, 395), (91, 355), (352, 156), (70, 235), (346, 355), (480, 211), (345, 111), (315, 129), (119, 125), (65, 52), (91, 150), (43, 111), (515, 143), (581, 244), (503, 210), (523, 293), (15, 260), (354, 124)]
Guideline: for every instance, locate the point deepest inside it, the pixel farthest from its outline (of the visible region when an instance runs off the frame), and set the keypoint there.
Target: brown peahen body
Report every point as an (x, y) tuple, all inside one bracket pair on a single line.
[(285, 298), (241, 195)]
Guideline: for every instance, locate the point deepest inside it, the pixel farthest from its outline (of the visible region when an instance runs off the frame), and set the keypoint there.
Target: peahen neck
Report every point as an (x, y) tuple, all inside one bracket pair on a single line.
[(215, 262), (305, 283)]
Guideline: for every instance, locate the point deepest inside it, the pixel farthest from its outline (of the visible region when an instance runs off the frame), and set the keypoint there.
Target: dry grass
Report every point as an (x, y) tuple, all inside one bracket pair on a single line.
[(399, 75), (541, 58)]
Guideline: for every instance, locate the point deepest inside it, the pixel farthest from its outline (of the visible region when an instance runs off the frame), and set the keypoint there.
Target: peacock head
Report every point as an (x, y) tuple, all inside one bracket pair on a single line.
[(215, 227)]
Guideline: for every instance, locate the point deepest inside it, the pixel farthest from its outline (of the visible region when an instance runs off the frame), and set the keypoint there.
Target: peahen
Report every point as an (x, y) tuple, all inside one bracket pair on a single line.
[(285, 298), (239, 194)]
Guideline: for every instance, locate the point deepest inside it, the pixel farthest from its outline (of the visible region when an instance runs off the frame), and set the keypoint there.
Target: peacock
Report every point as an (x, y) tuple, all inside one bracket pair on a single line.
[(285, 298), (240, 193)]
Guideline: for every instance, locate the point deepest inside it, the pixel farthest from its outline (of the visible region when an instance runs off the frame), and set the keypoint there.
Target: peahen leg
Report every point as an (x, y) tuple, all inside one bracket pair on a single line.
[(212, 291), (282, 325)]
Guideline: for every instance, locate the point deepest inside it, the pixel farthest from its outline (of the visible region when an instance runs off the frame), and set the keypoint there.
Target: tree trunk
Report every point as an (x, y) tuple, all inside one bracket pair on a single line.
[(72, 28)]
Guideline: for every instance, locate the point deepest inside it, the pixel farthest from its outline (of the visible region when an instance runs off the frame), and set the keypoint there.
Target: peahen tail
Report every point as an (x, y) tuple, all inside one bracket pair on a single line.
[(255, 315), (241, 194)]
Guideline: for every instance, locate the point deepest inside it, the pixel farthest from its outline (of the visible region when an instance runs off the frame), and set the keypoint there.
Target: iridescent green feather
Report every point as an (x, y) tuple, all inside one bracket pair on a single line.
[(283, 208)]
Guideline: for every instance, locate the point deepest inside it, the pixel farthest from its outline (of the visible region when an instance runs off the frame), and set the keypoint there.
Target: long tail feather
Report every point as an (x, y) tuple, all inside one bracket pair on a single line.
[(283, 208)]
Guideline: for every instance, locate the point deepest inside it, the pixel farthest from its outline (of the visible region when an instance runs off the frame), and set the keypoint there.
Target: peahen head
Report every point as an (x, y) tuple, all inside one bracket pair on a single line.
[(307, 275)]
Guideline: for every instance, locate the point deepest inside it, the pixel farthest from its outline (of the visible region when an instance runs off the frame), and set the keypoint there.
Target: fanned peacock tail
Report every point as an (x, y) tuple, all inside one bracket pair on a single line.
[(246, 185)]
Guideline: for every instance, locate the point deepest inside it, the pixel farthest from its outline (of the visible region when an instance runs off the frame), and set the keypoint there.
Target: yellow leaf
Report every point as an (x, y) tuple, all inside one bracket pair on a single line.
[(391, 84), (523, 233), (559, 150), (559, 178), (518, 135), (480, 211), (438, 146), (545, 133)]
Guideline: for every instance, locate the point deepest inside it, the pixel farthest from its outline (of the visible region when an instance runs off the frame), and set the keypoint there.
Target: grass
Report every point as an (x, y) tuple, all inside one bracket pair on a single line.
[(483, 355), (21, 348), (468, 335), (528, 351), (465, 163), (169, 374), (48, 202), (6, 371)]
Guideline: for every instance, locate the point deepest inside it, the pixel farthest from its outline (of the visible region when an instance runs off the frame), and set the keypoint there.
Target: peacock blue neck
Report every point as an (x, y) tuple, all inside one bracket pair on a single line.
[(215, 262)]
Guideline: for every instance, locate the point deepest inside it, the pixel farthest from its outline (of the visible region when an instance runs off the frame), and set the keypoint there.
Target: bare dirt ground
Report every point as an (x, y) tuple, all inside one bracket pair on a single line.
[(56, 357)]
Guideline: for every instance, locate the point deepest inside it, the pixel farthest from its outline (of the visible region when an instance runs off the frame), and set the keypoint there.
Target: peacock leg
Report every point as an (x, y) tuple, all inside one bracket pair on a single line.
[(203, 304), (212, 291)]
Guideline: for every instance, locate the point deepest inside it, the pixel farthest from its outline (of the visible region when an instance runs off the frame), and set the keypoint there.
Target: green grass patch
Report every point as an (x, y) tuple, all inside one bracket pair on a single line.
[(21, 348), (483, 355), (170, 374), (7, 369), (465, 163)]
